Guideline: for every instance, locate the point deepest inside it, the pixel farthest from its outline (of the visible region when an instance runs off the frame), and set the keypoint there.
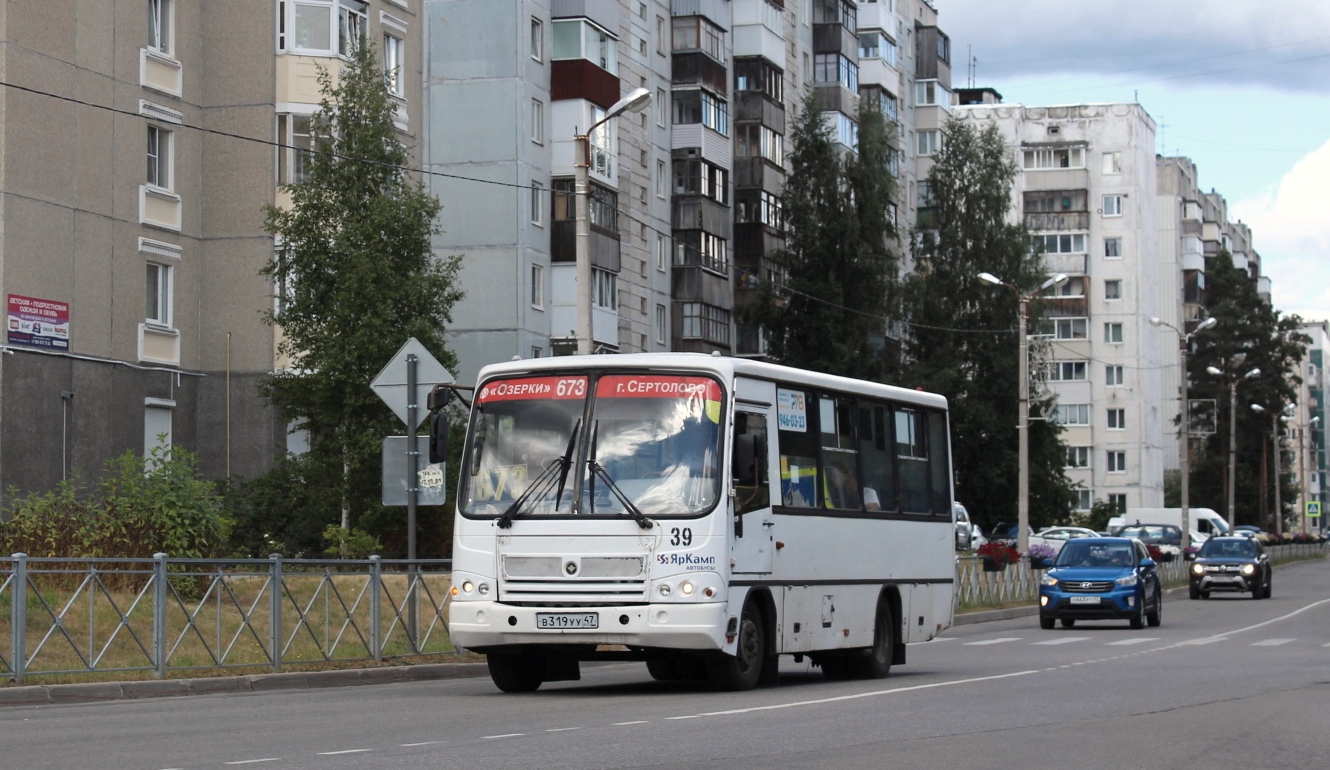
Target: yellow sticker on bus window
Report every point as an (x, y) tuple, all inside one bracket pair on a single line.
[(713, 411)]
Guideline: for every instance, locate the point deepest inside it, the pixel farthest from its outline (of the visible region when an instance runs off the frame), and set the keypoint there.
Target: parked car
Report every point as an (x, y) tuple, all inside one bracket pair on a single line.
[(1234, 563), (1005, 533), (1163, 540), (964, 529), (1101, 578), (1252, 531), (1054, 537)]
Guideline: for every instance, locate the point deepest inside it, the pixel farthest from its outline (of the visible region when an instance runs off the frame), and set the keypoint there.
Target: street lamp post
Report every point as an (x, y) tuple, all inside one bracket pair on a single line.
[(1304, 485), (1184, 428), (633, 102), (1023, 409), (1275, 420), (1232, 430)]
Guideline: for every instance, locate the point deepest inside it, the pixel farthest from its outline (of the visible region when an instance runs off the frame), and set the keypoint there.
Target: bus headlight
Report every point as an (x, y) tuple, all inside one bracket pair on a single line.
[(687, 588), (664, 589), (484, 589), (468, 586)]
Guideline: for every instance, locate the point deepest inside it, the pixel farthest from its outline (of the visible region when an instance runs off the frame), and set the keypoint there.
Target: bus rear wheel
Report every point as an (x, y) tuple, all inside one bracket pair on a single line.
[(516, 673), (877, 663), (742, 670)]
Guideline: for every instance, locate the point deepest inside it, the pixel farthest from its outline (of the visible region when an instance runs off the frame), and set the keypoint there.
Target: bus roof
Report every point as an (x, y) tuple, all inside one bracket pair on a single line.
[(726, 367)]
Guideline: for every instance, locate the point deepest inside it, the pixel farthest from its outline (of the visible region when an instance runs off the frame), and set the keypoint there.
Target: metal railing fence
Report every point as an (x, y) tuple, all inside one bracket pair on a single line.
[(1019, 582), (159, 615)]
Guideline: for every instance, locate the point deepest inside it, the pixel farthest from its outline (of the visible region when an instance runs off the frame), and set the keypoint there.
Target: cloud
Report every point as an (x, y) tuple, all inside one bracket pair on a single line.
[(1292, 234), (1281, 44)]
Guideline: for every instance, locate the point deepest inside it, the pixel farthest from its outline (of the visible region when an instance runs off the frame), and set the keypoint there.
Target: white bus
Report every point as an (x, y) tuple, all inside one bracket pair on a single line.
[(702, 514)]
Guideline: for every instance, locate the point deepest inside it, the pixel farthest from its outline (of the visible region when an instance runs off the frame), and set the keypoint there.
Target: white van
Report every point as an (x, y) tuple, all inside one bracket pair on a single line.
[(1203, 520)]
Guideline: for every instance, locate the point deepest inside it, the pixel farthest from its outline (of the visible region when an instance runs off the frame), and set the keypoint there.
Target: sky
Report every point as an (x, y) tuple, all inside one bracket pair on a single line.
[(1242, 87)]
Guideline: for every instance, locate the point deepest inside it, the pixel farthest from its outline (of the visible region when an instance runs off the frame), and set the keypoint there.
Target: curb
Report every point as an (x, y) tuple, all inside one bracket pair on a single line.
[(94, 692)]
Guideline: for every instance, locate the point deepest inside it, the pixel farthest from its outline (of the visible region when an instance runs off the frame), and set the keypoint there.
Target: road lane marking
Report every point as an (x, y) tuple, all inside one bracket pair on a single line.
[(343, 751), (1141, 640), (690, 716), (635, 722), (422, 743), (1270, 642), (1203, 640), (504, 735), (561, 729), (999, 640), (1298, 611), (1064, 640), (252, 761)]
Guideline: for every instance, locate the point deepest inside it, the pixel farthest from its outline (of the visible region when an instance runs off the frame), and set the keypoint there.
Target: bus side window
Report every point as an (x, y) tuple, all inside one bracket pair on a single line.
[(939, 465), (840, 462), (757, 495), (912, 459), (875, 453), (798, 454)]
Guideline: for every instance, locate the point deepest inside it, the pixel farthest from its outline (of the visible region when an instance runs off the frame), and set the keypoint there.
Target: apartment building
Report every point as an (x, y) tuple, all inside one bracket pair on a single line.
[(1087, 192), (1304, 436), (685, 199), (138, 156)]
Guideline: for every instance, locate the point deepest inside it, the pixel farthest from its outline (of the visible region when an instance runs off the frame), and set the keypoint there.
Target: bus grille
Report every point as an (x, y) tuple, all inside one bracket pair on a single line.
[(573, 580)]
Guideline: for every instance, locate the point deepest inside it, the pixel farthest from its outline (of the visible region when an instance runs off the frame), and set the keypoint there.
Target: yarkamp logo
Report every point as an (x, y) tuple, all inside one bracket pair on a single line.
[(685, 560)]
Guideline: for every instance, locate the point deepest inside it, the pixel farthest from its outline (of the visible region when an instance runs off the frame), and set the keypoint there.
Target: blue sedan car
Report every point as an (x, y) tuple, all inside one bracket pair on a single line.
[(1101, 578)]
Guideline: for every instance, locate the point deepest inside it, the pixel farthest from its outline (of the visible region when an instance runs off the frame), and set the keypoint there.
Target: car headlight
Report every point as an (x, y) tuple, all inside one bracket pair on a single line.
[(1248, 569), (1048, 580), (1127, 580), (1198, 569)]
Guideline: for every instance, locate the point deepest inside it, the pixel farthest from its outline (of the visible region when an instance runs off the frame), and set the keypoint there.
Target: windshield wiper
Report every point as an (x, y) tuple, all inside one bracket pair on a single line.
[(558, 466), (599, 470)]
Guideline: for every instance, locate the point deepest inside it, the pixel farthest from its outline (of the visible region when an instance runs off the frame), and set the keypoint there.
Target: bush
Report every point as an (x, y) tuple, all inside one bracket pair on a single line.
[(140, 508)]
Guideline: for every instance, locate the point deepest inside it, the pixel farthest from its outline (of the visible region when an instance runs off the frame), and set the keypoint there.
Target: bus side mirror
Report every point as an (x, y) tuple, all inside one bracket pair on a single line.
[(438, 398), (438, 436)]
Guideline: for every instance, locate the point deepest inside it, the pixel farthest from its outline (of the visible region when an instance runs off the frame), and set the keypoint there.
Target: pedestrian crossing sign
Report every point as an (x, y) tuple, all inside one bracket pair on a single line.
[(1313, 509)]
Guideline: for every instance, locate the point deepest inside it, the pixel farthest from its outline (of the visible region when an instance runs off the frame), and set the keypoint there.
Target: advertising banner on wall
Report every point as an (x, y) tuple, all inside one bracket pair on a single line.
[(40, 323)]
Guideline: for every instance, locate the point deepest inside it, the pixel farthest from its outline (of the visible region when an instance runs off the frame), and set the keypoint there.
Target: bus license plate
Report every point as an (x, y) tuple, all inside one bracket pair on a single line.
[(567, 620), (1085, 600)]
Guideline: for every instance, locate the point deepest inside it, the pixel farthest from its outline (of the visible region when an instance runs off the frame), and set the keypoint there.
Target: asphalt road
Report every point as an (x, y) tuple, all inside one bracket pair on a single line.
[(1225, 683)]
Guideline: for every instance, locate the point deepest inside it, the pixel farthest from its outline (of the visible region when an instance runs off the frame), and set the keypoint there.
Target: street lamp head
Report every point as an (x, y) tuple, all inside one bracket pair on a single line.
[(1314, 421), (1251, 374), (1156, 320), (1213, 370), (989, 278), (1056, 280), (1206, 324), (633, 102), (1257, 408)]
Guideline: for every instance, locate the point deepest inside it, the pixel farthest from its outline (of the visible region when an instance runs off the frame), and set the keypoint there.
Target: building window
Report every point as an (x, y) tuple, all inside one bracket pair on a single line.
[(537, 204), (352, 18), (697, 106), (393, 51), (1072, 414), (1065, 157), (1066, 371), (314, 31), (1113, 248), (1117, 419), (161, 21), (706, 322), (603, 209), (604, 289), (698, 247), (1117, 462), (660, 179), (694, 33), (1113, 375), (580, 39), (537, 39), (294, 156), (758, 141), (843, 129), (931, 93), (1113, 289), (1062, 243), (1112, 205), (1113, 332), (661, 106), (1078, 457), (757, 74), (1118, 502), (870, 44), (698, 177), (537, 121), (159, 157), (1072, 287), (1113, 162), (1084, 499), (836, 68), (660, 35), (660, 324), (1064, 328), (156, 434), (765, 209), (537, 351), (157, 310), (842, 12), (929, 141), (537, 286)]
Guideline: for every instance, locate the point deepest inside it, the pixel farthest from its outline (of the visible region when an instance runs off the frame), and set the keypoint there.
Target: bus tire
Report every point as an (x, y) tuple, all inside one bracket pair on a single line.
[(876, 664), (743, 670), (663, 669), (516, 672)]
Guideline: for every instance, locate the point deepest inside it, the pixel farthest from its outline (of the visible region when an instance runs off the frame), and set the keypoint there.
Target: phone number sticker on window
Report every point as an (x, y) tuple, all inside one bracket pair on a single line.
[(532, 389)]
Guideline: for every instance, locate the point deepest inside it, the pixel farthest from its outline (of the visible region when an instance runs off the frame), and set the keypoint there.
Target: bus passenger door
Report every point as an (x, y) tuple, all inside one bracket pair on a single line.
[(750, 506)]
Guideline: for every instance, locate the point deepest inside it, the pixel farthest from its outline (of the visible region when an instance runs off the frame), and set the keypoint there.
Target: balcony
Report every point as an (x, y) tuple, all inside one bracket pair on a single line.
[(1058, 220), (750, 173), (580, 79), (835, 38), (694, 212), (1071, 264), (1065, 307), (753, 105), (698, 69), (833, 97)]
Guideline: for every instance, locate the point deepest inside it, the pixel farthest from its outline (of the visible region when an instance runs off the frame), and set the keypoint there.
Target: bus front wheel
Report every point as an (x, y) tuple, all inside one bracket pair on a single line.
[(516, 673), (742, 670)]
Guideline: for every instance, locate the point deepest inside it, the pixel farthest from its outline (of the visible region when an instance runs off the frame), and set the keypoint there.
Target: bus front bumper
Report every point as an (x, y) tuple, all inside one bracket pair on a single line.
[(674, 626)]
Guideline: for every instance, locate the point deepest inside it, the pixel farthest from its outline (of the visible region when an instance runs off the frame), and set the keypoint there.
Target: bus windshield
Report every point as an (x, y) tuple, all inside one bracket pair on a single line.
[(652, 444)]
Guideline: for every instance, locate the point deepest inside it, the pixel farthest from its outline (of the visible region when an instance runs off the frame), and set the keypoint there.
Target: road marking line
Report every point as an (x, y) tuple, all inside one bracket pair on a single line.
[(1064, 640), (505, 735), (690, 716), (1282, 617), (1270, 642), (999, 640), (343, 751), (1206, 640), (252, 761), (422, 743), (561, 729), (1141, 640), (636, 722)]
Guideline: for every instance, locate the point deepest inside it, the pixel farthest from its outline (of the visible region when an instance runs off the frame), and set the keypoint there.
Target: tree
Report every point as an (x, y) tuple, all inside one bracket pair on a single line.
[(357, 279), (829, 314), (1250, 334), (962, 342)]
